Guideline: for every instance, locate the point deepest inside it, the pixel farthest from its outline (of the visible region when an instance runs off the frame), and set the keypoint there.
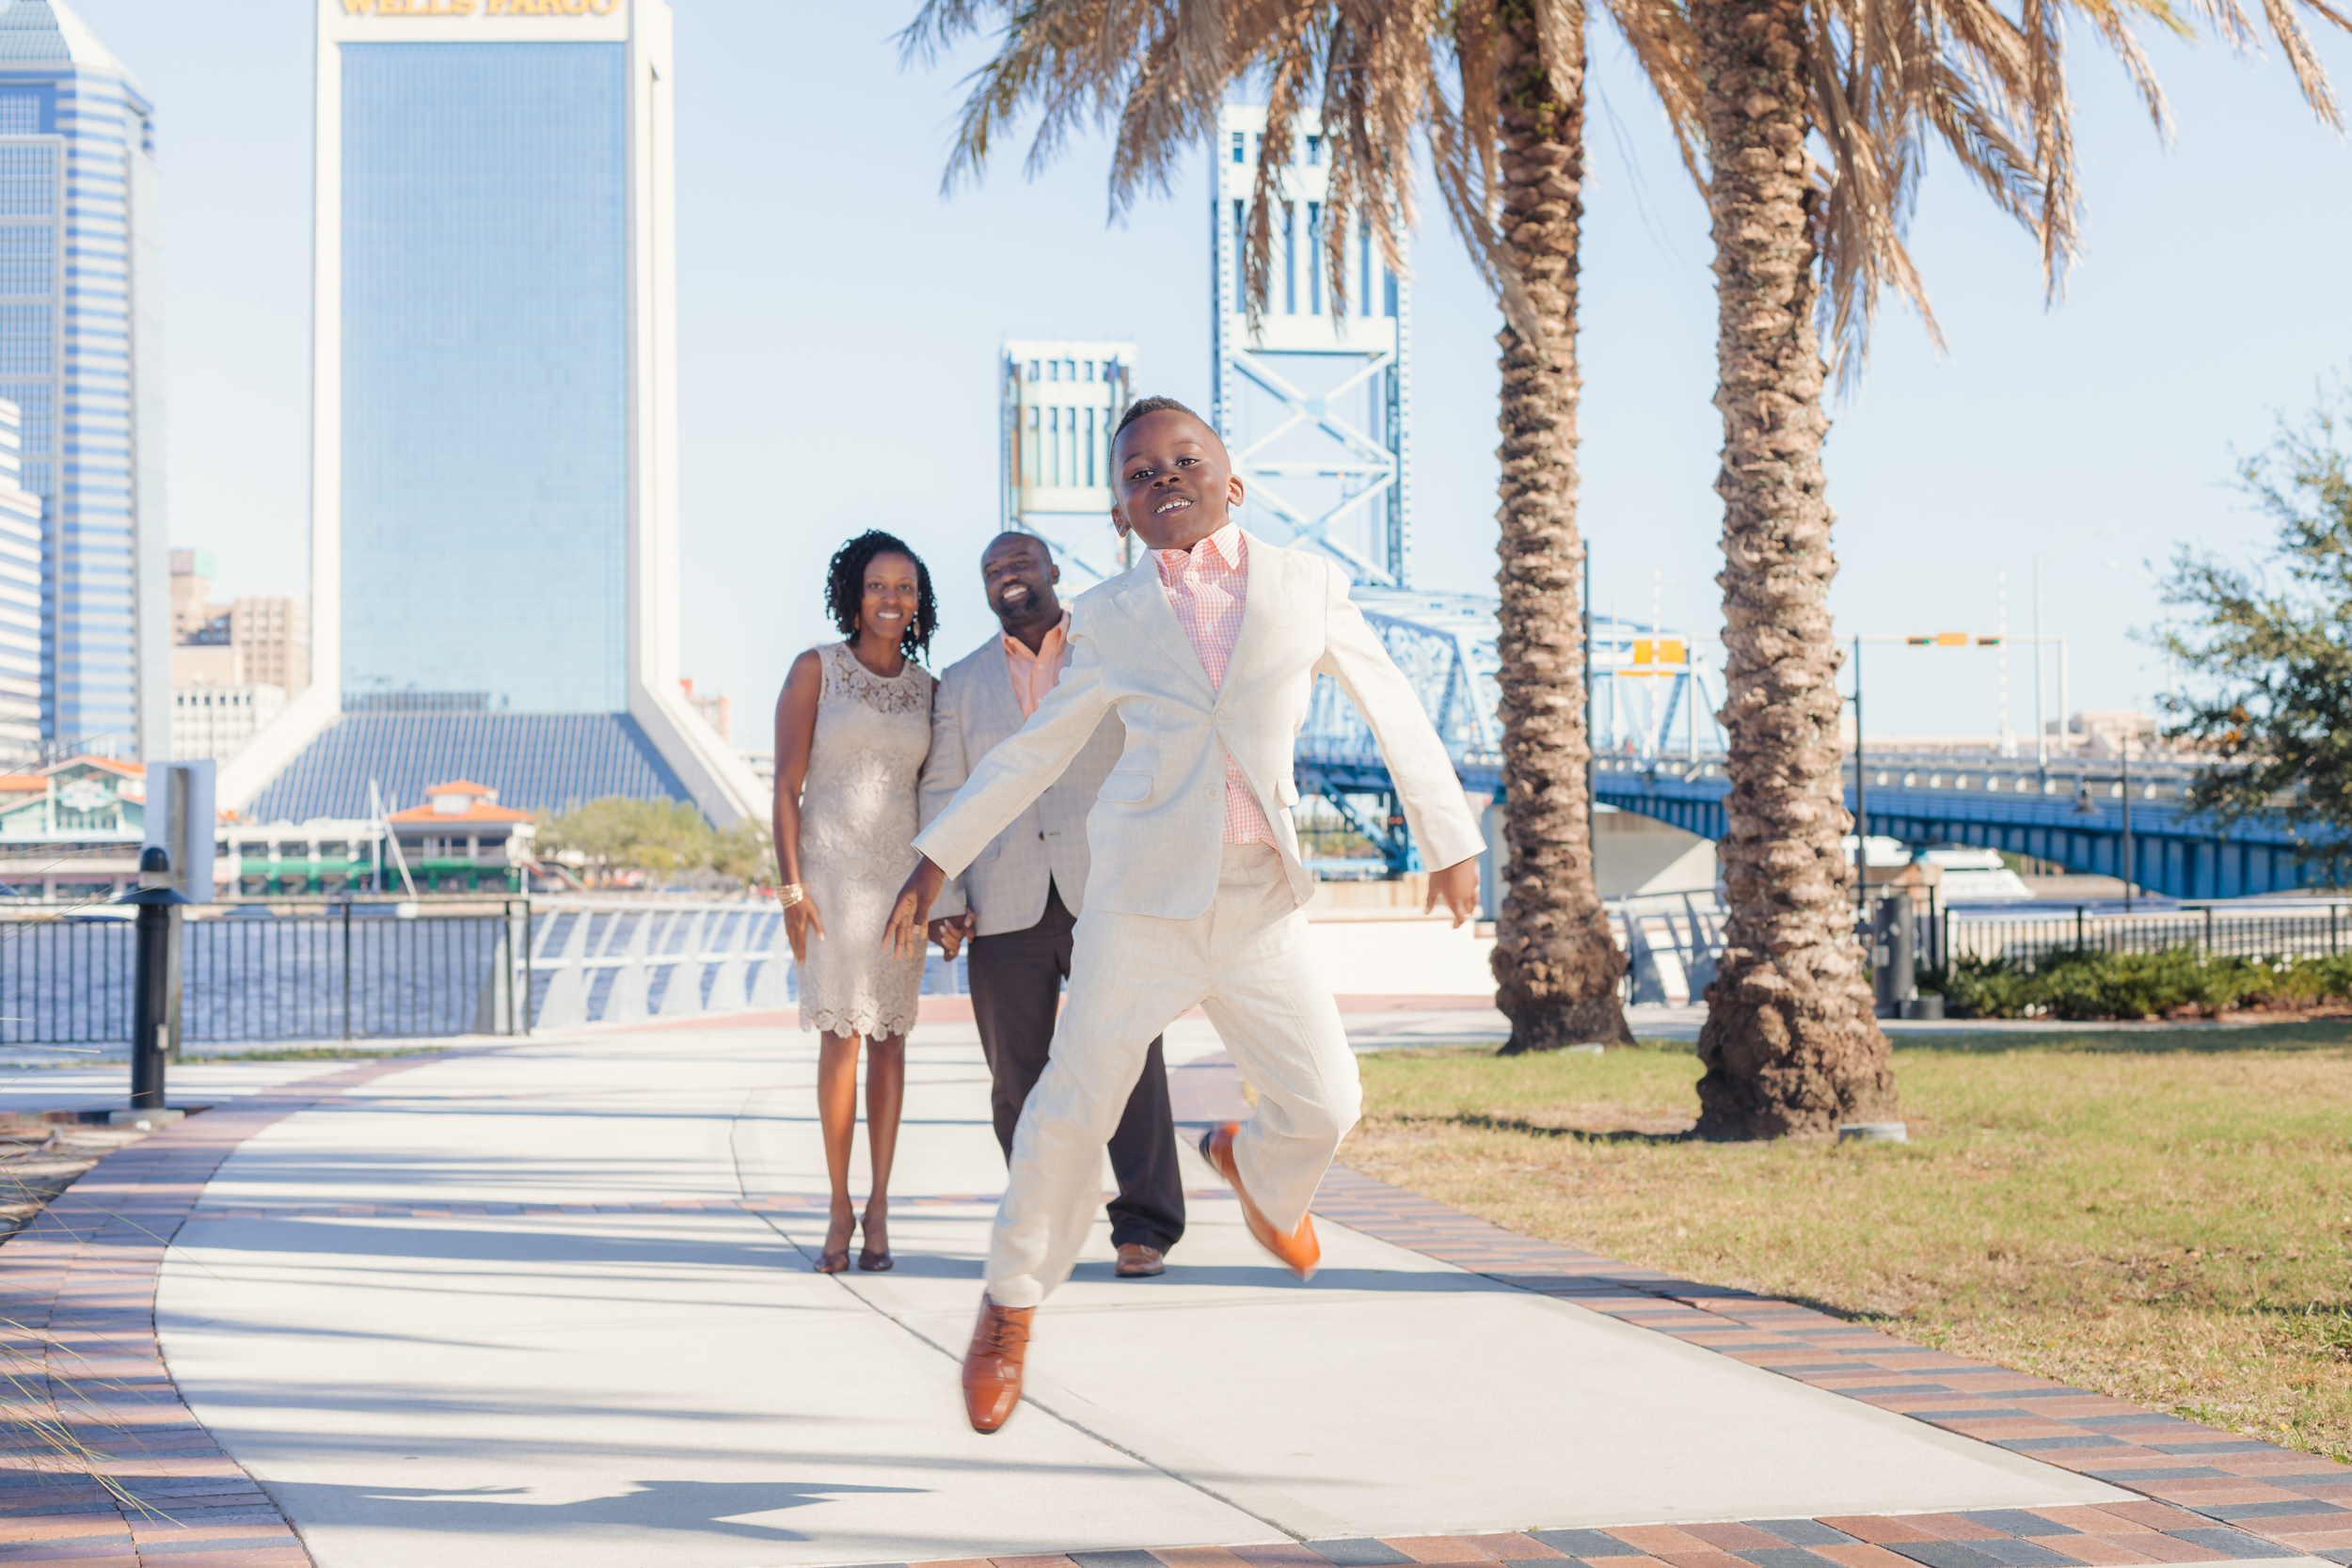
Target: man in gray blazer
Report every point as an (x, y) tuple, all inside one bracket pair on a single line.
[(1019, 900)]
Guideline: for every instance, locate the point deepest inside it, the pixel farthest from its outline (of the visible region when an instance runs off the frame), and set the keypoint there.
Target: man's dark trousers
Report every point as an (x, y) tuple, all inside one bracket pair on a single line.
[(1016, 979)]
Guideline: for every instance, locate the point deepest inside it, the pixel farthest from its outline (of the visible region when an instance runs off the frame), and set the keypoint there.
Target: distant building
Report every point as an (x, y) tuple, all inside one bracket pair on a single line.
[(493, 547), (272, 636), (233, 666), (218, 720), (80, 345), (302, 860), (70, 832), (210, 661), (461, 840), (192, 605), (1061, 401), (715, 709), (79, 798), (23, 572), (2103, 732)]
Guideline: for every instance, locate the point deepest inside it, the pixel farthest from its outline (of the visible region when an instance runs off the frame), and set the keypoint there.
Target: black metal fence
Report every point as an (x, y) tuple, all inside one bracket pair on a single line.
[(332, 972)]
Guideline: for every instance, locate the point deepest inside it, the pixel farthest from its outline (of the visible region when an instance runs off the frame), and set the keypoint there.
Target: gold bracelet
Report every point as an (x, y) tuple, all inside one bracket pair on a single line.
[(790, 895)]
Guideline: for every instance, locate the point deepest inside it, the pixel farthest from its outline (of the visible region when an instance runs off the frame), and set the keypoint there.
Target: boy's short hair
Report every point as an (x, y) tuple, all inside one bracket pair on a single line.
[(1141, 406)]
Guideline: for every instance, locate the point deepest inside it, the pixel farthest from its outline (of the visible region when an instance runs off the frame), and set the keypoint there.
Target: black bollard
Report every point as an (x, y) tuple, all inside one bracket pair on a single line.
[(151, 996)]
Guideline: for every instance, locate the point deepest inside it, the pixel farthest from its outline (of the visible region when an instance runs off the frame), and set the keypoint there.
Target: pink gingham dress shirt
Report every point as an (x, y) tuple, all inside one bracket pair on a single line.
[(1207, 586), (1034, 675)]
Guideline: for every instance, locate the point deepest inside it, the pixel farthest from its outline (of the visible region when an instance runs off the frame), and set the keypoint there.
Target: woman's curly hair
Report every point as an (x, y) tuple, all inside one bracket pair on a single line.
[(845, 589)]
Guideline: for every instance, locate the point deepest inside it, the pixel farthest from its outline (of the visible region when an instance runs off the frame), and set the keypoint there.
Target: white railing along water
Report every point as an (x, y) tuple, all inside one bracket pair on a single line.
[(625, 960)]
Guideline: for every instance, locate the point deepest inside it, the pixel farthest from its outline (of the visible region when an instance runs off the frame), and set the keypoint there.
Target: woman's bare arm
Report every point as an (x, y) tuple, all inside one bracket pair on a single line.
[(795, 732)]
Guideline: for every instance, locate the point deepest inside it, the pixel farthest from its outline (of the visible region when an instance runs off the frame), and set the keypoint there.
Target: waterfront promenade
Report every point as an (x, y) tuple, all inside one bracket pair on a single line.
[(549, 1302)]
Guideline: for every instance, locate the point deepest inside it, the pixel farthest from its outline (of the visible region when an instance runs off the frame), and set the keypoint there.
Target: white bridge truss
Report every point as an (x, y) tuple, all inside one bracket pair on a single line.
[(1061, 399), (1316, 408), (1654, 693), (1317, 412)]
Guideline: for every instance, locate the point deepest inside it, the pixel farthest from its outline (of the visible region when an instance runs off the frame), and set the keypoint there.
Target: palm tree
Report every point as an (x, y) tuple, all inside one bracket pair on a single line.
[(1495, 90), (1789, 1043), (1555, 968)]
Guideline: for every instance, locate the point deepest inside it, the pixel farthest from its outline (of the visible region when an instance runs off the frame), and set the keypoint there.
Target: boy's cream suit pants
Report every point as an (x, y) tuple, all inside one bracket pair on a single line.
[(1245, 962)]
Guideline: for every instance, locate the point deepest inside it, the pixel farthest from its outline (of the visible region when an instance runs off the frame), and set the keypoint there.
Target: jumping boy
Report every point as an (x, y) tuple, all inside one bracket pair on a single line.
[(1208, 652)]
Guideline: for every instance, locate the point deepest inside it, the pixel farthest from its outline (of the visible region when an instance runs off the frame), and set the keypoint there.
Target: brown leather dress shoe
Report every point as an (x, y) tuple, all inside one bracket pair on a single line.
[(1299, 1251), (992, 1368), (1138, 1261)]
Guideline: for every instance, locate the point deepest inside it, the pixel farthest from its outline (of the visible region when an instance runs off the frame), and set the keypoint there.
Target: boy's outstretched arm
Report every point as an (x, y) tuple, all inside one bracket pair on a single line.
[(1000, 787), (1457, 884), (1419, 766)]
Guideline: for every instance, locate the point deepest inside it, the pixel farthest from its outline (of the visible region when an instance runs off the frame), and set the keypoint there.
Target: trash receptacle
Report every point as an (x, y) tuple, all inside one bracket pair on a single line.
[(1892, 960)]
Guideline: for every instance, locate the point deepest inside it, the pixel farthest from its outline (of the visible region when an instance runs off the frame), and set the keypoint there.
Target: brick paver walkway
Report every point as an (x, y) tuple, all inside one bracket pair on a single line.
[(1996, 1538)]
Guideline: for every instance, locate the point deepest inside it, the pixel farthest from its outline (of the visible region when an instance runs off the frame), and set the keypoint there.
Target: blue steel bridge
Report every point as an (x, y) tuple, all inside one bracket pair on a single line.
[(2073, 813)]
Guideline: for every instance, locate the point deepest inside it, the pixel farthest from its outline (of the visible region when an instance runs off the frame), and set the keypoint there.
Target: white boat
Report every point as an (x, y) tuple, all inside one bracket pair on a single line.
[(1973, 876)]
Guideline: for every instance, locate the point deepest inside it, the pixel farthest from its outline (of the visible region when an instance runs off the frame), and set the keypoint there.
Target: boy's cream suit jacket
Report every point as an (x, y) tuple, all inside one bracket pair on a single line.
[(1159, 818)]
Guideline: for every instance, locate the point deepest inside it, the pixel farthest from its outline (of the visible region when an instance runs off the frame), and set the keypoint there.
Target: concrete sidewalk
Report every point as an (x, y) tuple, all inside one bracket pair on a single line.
[(552, 1305)]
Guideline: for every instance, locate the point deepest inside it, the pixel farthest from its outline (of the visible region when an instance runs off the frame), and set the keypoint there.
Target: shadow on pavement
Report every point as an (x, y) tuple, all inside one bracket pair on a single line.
[(653, 1505), (537, 1244)]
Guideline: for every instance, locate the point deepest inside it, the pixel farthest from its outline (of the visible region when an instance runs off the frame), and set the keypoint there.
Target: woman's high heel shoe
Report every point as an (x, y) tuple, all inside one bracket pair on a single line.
[(834, 1260), (875, 1260)]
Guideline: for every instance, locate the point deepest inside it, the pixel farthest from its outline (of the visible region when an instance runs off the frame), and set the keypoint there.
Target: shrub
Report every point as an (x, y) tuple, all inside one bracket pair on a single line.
[(2079, 983)]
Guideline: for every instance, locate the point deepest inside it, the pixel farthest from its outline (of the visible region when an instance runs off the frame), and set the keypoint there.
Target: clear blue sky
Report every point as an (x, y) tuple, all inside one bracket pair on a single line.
[(839, 321)]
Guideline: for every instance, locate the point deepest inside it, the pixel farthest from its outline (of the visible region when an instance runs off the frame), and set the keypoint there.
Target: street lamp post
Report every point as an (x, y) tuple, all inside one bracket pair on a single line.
[(1591, 762), (2040, 739), (2127, 864), (2130, 864), (2041, 731), (1861, 808)]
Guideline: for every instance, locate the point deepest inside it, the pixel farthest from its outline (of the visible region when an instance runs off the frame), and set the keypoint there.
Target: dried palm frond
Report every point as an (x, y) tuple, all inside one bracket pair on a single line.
[(1658, 33), (1382, 76), (1992, 88), (2229, 20)]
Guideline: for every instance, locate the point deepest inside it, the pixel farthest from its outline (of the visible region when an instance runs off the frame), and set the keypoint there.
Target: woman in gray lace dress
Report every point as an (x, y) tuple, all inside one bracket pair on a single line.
[(853, 730)]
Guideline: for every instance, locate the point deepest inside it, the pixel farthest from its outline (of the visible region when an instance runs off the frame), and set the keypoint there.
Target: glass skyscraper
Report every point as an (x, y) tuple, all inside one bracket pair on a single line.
[(80, 356), (494, 505), (486, 377)]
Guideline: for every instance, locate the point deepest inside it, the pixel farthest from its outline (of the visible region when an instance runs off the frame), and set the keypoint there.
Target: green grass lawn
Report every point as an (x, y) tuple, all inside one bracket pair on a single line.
[(2165, 1216)]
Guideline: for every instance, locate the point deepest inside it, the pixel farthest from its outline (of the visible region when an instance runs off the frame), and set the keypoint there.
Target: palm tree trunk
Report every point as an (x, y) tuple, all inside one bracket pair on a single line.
[(1555, 967), (1790, 1043)]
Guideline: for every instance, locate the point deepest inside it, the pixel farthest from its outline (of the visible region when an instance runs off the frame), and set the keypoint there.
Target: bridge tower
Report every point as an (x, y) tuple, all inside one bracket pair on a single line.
[(1317, 412), (1061, 397)]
